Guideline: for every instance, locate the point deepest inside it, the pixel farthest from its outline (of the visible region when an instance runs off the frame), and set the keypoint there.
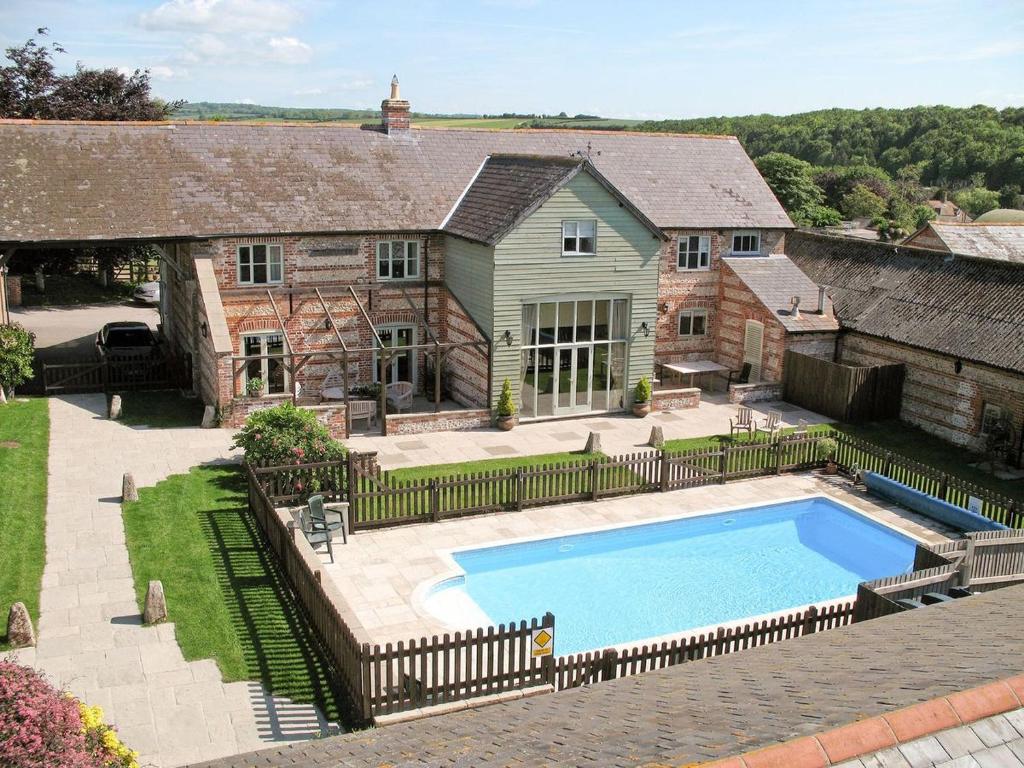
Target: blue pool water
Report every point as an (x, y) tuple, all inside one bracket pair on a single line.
[(616, 586)]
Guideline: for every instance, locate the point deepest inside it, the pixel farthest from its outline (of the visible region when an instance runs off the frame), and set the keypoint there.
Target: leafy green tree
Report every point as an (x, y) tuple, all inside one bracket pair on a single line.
[(17, 348), (922, 214), (1010, 196), (861, 202), (977, 200), (818, 216), (790, 180)]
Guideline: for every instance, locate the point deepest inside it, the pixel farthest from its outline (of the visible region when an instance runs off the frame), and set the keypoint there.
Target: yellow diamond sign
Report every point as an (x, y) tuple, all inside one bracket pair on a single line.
[(543, 642)]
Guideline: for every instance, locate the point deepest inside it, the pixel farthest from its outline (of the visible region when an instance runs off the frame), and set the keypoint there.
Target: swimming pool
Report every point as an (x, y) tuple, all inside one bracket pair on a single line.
[(624, 584)]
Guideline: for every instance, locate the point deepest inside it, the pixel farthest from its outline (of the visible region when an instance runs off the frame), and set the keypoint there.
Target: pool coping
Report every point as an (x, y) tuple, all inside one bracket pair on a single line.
[(427, 586)]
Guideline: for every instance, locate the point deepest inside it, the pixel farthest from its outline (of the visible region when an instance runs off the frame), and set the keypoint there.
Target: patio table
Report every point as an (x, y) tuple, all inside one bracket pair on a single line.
[(693, 368), (333, 393)]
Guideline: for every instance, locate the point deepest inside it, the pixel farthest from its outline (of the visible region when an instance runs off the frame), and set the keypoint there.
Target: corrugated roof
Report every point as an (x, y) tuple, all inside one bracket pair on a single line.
[(775, 280), (94, 181), (1002, 242), (968, 308)]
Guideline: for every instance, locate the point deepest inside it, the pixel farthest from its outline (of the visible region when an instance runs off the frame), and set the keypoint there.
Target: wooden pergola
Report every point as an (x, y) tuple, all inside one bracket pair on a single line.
[(294, 362)]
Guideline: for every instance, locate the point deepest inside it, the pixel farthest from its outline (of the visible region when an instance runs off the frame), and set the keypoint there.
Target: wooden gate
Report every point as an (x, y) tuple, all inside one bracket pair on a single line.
[(843, 392), (109, 374)]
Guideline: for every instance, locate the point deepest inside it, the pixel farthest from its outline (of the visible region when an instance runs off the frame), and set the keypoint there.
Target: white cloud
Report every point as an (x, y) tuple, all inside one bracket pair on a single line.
[(288, 50), (220, 16), (309, 92), (163, 72), (359, 84), (206, 47)]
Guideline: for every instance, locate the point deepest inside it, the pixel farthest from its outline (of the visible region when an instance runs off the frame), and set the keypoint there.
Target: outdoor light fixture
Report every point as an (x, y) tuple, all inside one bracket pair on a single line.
[(958, 365), (645, 328), (203, 329), (327, 324), (663, 307), (507, 338)]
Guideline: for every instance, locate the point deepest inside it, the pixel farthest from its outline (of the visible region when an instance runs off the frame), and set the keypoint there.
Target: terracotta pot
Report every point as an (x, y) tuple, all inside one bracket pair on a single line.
[(641, 409), (831, 468), (505, 423)]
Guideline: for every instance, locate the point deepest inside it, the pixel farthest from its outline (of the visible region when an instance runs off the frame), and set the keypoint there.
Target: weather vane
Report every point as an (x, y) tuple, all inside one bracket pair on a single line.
[(587, 154)]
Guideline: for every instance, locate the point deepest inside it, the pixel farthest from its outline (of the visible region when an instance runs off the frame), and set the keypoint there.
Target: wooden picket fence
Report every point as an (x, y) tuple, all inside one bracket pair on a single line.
[(110, 374)]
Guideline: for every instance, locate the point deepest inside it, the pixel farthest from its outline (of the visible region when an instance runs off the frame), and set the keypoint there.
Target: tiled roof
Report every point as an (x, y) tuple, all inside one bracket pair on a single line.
[(775, 280), (969, 308), (506, 189), (93, 181), (1002, 242)]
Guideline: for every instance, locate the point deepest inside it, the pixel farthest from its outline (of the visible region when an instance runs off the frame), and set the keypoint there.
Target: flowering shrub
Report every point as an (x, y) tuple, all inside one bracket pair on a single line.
[(286, 435), (17, 347), (41, 727)]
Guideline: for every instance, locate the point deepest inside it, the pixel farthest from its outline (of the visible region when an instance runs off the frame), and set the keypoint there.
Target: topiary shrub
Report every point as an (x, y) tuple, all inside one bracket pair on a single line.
[(42, 727), (286, 435), (506, 405), (642, 391), (17, 349)]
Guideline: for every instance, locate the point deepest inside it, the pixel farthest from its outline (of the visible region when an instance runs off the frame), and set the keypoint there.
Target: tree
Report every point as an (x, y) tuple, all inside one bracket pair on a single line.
[(790, 180), (17, 348), (977, 200), (30, 88), (861, 202)]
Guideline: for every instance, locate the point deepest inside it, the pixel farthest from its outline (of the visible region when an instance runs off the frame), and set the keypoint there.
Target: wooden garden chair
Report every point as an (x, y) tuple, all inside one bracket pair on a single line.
[(744, 422), (770, 425), (399, 395)]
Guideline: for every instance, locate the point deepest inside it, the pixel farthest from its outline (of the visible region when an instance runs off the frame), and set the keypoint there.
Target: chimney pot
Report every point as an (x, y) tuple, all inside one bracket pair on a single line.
[(821, 299), (394, 111), (795, 310)]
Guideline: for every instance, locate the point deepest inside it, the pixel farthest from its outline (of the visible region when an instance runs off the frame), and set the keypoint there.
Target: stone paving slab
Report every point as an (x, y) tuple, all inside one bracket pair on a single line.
[(91, 638), (703, 710)]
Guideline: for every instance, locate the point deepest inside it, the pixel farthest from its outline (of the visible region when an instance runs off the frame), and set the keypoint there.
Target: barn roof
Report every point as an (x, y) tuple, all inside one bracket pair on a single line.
[(107, 181), (964, 307), (1001, 241)]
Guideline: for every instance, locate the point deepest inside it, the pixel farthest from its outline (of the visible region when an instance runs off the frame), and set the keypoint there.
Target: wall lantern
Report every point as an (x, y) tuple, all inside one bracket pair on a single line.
[(958, 365), (327, 324), (663, 307), (645, 329), (203, 329), (507, 338)]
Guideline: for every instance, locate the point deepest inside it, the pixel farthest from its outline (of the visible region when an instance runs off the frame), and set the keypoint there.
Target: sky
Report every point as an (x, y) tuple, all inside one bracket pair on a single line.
[(689, 58)]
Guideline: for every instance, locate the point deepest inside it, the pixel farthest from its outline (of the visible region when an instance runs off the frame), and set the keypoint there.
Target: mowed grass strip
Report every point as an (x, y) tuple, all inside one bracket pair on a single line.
[(24, 449), (226, 594), (161, 409)]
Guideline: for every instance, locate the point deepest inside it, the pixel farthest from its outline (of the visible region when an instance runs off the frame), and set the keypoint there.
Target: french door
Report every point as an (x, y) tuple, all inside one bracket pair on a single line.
[(573, 356), (269, 370), (402, 366)]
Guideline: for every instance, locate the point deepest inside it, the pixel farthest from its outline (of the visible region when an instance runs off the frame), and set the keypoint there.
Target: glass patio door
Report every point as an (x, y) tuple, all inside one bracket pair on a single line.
[(400, 367), (270, 370), (573, 381)]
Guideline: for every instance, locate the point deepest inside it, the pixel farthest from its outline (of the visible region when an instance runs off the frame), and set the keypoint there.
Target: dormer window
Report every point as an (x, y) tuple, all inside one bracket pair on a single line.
[(579, 238), (746, 242)]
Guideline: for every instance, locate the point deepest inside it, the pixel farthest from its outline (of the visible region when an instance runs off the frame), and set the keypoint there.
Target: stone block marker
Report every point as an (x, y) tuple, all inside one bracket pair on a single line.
[(3, 397), (20, 633), (128, 490), (593, 443), (657, 438), (115, 407), (209, 417), (156, 604)]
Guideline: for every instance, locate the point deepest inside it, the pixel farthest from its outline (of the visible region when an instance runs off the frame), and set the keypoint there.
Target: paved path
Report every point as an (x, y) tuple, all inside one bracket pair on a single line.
[(90, 636), (995, 742), (707, 709), (620, 434)]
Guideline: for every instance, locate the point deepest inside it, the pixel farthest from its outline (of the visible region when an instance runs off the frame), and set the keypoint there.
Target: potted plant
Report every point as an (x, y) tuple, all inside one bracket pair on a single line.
[(827, 447), (642, 397), (254, 387), (506, 407)]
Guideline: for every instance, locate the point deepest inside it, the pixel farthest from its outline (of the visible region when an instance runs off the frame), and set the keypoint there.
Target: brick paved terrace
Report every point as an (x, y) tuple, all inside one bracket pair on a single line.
[(706, 710)]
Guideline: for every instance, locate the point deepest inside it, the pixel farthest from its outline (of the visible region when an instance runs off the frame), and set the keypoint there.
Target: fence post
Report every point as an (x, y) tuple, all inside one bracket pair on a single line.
[(547, 663), (1012, 514), (778, 455), (810, 621), (435, 501), (350, 471), (609, 664), (520, 483), (943, 486), (723, 463), (665, 470), (887, 467), (593, 479)]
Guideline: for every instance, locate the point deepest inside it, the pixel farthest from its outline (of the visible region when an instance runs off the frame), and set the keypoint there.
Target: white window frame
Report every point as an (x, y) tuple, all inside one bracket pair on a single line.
[(754, 233), (691, 314), (703, 253), (265, 362), (990, 412), (271, 248), (410, 256), (578, 238)]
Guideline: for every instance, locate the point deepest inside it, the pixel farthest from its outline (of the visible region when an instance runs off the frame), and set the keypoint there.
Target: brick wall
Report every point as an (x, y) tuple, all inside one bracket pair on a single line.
[(13, 290), (675, 399), (937, 398), (467, 367), (418, 423), (820, 345)]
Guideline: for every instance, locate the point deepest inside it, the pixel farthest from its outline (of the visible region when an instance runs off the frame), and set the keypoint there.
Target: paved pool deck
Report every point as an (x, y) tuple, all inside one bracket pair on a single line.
[(380, 571), (708, 709), (620, 434)]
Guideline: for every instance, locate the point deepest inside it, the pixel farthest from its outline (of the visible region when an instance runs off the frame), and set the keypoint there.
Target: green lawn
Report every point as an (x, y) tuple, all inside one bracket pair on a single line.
[(63, 290), (24, 447), (429, 471), (225, 592), (165, 409)]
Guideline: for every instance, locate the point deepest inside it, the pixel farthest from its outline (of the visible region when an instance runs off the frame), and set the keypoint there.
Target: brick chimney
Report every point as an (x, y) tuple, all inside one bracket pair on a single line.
[(394, 111)]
